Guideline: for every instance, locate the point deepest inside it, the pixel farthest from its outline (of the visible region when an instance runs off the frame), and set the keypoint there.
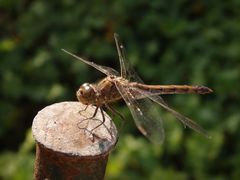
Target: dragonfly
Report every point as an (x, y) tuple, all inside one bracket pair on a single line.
[(140, 98)]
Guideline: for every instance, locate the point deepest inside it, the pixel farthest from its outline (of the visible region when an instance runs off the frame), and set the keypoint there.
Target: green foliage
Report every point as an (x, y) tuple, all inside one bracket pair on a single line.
[(18, 165), (168, 42)]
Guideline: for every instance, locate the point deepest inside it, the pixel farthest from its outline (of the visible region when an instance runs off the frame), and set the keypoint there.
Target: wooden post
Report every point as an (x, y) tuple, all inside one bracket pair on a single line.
[(66, 149)]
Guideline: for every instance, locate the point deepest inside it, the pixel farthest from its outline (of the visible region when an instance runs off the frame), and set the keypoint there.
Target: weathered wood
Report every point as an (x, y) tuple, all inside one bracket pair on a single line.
[(66, 149)]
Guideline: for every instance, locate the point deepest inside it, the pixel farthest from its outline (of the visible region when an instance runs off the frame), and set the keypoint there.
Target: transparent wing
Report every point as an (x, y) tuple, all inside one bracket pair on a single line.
[(141, 95), (183, 119), (127, 71), (143, 110), (106, 70), (145, 114), (121, 55)]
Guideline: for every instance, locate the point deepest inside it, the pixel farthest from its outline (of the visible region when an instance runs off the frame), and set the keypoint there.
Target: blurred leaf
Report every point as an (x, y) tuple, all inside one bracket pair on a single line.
[(18, 165), (167, 42)]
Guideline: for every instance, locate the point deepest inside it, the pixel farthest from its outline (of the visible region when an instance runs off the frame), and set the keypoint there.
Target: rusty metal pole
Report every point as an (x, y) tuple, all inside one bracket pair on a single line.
[(65, 148)]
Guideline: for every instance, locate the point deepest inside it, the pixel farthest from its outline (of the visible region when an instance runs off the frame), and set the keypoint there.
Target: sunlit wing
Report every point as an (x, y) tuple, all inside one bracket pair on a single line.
[(143, 110), (185, 120), (140, 94), (106, 70), (145, 114), (127, 71), (120, 50)]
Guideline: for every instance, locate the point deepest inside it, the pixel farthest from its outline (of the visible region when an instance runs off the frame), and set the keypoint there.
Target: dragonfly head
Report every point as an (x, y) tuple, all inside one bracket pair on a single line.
[(86, 93)]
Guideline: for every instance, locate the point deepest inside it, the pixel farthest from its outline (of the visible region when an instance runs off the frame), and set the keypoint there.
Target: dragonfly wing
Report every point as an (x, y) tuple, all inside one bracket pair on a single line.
[(185, 120), (106, 70), (145, 114), (121, 54), (132, 76), (127, 71)]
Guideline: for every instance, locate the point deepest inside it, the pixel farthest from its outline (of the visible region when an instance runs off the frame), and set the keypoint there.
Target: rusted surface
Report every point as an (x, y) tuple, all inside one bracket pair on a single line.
[(64, 149), (56, 165)]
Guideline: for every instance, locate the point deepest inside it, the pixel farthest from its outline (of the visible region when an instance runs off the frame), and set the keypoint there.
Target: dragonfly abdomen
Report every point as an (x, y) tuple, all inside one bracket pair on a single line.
[(173, 89)]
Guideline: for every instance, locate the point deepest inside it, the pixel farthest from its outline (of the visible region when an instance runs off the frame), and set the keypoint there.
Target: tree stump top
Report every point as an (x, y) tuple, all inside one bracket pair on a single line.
[(63, 128)]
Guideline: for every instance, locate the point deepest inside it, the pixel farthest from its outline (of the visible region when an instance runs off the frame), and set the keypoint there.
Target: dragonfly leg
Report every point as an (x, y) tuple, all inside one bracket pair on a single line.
[(87, 119), (94, 136), (102, 123), (82, 110), (115, 112)]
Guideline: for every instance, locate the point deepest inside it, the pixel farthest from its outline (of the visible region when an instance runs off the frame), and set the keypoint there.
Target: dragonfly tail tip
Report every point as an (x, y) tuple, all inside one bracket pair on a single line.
[(204, 90)]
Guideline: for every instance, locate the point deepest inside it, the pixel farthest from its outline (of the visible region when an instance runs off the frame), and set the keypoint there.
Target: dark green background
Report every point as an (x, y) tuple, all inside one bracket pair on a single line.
[(168, 42)]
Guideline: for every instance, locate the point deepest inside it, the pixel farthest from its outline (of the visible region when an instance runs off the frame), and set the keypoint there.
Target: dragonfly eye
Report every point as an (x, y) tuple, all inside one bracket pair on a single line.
[(85, 89), (81, 91), (85, 93)]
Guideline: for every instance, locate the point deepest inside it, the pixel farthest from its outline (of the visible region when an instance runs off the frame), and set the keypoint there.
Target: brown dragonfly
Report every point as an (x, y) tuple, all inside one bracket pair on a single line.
[(140, 98)]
